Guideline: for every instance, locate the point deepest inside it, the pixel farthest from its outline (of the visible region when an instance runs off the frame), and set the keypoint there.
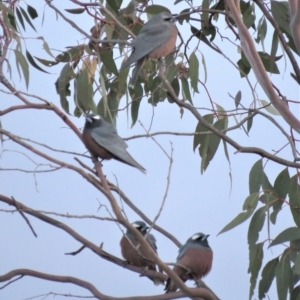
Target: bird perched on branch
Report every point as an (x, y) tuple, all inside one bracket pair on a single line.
[(156, 40), (194, 260), (102, 140), (135, 253)]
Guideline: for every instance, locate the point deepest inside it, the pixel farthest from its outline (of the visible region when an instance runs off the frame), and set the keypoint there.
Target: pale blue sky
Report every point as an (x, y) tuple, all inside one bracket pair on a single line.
[(195, 202)]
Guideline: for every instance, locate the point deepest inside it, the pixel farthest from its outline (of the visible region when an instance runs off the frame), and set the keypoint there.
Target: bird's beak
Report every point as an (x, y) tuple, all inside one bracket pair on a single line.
[(206, 237), (174, 18)]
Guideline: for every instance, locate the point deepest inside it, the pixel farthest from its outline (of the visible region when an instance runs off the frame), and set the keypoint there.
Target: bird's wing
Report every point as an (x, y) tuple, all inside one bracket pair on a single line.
[(181, 251), (108, 138), (152, 241), (150, 38)]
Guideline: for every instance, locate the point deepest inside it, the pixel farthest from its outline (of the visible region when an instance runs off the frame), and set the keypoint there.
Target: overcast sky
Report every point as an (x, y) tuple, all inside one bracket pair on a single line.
[(194, 203)]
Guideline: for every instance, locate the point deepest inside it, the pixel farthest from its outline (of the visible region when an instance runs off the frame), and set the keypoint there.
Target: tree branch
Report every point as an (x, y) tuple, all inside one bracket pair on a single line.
[(259, 70)]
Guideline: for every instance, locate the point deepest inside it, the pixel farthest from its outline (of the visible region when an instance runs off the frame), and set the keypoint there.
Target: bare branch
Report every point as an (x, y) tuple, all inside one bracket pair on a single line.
[(259, 70), (223, 136)]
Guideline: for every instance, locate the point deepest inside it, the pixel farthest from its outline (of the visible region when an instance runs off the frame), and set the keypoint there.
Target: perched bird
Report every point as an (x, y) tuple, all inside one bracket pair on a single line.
[(196, 257), (139, 256), (156, 40), (102, 140)]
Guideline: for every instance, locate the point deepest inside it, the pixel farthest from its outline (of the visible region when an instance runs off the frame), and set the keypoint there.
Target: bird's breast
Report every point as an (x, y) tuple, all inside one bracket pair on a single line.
[(94, 147), (167, 47)]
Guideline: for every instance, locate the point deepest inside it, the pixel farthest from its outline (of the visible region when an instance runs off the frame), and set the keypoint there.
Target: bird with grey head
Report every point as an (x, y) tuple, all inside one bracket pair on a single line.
[(102, 140), (156, 40), (194, 260), (136, 254)]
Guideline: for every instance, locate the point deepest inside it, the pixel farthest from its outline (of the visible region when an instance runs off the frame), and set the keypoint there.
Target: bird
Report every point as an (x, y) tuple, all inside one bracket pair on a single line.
[(195, 257), (156, 40), (139, 256), (102, 140)]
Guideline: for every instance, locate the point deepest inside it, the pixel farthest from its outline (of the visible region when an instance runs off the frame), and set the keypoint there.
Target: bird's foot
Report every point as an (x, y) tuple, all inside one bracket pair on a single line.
[(162, 65), (143, 271), (198, 283)]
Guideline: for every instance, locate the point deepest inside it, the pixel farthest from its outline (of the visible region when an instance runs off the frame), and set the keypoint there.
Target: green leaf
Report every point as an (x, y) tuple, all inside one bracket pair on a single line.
[(75, 11), (282, 183), (24, 13), (280, 12), (204, 66), (240, 218), (269, 107), (249, 205), (122, 84), (297, 264), (249, 122), (83, 92), (108, 109), (62, 85), (251, 202), (198, 33), (12, 20), (255, 177), (72, 54), (46, 47), (156, 9), (295, 293), (284, 275), (267, 276), (108, 61), (194, 71), (176, 88), (47, 63), (136, 95), (19, 15), (171, 72), (287, 235), (248, 15), (262, 31), (275, 42), (33, 63), (32, 12), (237, 98), (256, 225), (199, 138), (21, 60), (208, 150), (186, 90), (256, 258), (244, 70), (294, 195), (266, 60)]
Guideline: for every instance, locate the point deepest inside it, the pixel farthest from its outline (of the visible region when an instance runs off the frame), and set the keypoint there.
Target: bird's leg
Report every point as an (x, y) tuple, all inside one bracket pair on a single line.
[(125, 263), (198, 282), (143, 271), (162, 66)]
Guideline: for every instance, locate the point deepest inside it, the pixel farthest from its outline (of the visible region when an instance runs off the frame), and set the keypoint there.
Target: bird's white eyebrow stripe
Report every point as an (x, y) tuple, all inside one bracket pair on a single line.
[(136, 225), (196, 236), (96, 117)]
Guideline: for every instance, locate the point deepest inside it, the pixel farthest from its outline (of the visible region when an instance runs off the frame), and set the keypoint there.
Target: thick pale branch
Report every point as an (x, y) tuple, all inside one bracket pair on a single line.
[(259, 70), (199, 292), (285, 45), (27, 210), (26, 106), (203, 293)]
